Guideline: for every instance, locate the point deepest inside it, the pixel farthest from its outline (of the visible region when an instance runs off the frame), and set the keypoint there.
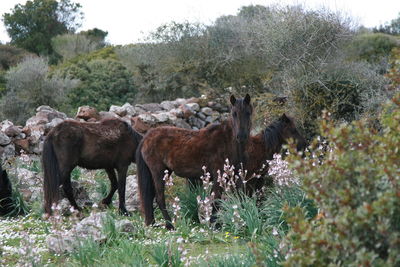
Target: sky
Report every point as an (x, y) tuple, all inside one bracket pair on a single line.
[(128, 21)]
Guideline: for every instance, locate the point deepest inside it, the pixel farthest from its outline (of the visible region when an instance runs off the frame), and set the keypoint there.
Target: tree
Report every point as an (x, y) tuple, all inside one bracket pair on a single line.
[(392, 28), (31, 26)]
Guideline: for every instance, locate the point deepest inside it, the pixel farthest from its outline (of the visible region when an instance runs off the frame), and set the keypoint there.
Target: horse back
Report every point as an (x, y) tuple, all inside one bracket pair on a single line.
[(186, 151)]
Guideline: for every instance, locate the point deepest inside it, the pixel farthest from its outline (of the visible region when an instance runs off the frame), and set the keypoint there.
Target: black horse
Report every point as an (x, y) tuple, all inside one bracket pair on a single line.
[(6, 204), (109, 144)]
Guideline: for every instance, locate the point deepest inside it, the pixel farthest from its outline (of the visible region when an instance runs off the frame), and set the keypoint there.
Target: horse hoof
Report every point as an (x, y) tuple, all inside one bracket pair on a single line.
[(104, 204), (169, 226)]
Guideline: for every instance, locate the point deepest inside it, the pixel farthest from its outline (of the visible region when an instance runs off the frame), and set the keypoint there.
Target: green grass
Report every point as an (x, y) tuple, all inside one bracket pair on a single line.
[(248, 242)]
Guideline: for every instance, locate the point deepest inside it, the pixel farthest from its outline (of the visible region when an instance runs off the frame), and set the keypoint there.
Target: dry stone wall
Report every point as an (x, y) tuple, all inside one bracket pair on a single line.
[(193, 113)]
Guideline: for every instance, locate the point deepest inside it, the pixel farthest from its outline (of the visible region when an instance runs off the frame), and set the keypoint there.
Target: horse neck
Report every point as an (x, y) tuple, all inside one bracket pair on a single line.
[(273, 141), (234, 149)]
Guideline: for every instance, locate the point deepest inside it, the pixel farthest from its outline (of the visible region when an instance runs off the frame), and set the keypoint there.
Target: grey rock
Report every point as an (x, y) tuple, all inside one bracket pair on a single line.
[(5, 124), (167, 105), (125, 226), (130, 110), (161, 117), (207, 111), (150, 107), (177, 112), (7, 151), (4, 139), (13, 131), (196, 122), (201, 116), (181, 123), (193, 106), (120, 111), (147, 118)]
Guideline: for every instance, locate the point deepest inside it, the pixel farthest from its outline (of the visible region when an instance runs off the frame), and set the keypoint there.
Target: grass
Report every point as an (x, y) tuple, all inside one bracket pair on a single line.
[(250, 234)]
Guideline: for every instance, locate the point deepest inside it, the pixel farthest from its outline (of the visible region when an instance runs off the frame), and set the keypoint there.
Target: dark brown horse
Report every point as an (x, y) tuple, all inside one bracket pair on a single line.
[(263, 146), (109, 144), (185, 152), (6, 203)]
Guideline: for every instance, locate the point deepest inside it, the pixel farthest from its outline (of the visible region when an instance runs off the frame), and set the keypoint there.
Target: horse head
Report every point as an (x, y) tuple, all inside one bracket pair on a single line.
[(241, 112), (289, 131)]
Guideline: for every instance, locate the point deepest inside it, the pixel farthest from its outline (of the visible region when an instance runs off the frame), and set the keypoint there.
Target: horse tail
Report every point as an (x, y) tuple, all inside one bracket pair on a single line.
[(51, 171), (137, 138), (145, 185)]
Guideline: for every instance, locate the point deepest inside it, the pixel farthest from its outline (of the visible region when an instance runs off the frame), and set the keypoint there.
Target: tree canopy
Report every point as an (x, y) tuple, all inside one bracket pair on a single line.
[(31, 26)]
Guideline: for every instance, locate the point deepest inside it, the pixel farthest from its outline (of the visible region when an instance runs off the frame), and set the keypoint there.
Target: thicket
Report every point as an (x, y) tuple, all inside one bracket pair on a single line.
[(356, 186), (29, 86), (104, 81), (268, 52)]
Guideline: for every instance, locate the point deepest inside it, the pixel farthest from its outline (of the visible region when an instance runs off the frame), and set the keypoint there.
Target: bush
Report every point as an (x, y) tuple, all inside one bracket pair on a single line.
[(372, 47), (29, 86), (104, 81), (394, 71), (347, 90), (356, 188), (10, 56), (72, 45)]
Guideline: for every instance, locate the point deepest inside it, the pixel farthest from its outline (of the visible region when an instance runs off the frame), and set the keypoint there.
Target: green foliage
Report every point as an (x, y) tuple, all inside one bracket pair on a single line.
[(96, 35), (167, 255), (10, 56), (390, 28), (279, 198), (372, 47), (104, 81), (246, 259), (346, 90), (394, 70), (87, 253), (72, 45), (356, 188), (188, 201), (29, 86), (31, 26), (249, 217)]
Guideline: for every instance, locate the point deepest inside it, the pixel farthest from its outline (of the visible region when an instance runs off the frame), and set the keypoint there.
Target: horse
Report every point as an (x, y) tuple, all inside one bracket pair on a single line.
[(109, 144), (185, 152), (6, 203), (264, 145)]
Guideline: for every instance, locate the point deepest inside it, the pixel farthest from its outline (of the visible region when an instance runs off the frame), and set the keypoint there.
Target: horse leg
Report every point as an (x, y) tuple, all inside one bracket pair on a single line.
[(159, 185), (114, 186), (122, 171), (66, 182)]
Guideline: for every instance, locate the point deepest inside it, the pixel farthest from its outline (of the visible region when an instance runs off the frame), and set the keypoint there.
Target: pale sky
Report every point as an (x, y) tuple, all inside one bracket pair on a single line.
[(128, 21)]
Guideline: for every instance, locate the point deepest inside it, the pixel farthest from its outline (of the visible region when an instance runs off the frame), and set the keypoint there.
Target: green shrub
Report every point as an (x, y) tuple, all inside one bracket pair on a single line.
[(104, 82), (29, 86), (10, 56), (347, 90), (246, 259), (167, 255), (394, 71), (356, 188), (372, 47), (72, 45)]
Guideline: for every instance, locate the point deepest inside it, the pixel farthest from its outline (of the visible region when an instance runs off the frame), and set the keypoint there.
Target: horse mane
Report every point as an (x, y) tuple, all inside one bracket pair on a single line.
[(273, 135)]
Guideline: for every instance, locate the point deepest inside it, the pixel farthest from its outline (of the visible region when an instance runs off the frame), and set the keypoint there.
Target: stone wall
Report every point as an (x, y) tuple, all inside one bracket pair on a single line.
[(193, 113)]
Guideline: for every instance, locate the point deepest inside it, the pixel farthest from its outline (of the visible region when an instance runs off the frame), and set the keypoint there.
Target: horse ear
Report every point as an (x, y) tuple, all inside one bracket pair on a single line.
[(247, 99), (285, 118), (233, 100)]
